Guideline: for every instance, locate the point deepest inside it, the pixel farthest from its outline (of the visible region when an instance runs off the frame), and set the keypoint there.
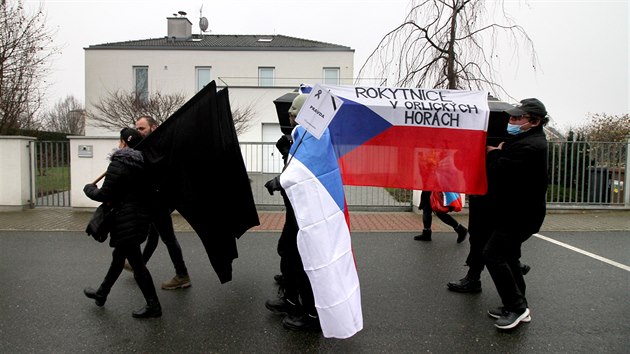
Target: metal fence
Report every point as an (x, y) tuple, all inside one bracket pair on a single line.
[(51, 173), (264, 162), (581, 175)]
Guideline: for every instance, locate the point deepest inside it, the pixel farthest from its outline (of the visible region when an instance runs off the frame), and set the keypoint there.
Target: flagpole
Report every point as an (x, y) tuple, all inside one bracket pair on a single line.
[(99, 178)]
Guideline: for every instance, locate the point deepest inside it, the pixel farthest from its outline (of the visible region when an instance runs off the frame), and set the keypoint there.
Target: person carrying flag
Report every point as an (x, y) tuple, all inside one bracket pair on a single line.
[(295, 295), (517, 187), (126, 191), (162, 227), (427, 218)]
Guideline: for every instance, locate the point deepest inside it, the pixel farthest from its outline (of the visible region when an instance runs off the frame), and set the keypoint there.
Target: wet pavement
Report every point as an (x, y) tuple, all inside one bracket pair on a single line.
[(577, 290), (69, 219)]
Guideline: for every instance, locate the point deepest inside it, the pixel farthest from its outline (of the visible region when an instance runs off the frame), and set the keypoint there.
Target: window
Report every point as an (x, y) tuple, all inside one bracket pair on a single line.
[(141, 82), (331, 76), (265, 76), (203, 76)]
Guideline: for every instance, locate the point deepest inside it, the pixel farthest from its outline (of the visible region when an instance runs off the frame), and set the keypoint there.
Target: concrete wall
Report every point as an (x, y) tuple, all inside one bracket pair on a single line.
[(15, 173), (85, 169)]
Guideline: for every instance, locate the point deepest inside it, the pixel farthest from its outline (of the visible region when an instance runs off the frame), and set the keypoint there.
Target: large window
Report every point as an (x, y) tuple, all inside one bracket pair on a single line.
[(141, 82), (203, 76), (331, 76), (265, 76)]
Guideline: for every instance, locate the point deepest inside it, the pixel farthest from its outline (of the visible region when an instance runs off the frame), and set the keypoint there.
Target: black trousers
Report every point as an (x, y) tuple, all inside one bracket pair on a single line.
[(162, 228), (296, 283), (502, 256), (141, 274), (427, 212), (479, 228)]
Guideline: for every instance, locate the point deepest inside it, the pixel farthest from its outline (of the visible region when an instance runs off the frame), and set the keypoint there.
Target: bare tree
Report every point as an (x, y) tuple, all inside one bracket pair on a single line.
[(67, 116), (447, 44), (242, 117), (120, 108), (25, 51), (606, 128)]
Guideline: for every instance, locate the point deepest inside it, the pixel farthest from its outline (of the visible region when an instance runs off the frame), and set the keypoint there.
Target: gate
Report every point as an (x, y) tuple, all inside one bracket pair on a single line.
[(51, 173)]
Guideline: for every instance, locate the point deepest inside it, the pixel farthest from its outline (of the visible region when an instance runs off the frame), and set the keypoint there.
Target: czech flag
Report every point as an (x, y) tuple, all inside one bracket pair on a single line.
[(411, 138), (388, 137)]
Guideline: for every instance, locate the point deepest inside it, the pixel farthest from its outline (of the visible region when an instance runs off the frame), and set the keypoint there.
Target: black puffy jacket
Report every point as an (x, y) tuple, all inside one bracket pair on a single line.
[(126, 189)]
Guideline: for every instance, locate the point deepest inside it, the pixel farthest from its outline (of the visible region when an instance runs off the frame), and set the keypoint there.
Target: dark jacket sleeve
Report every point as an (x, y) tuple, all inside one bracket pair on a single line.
[(108, 192)]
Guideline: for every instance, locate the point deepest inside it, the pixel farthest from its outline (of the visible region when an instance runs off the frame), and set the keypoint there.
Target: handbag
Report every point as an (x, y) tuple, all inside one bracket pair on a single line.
[(444, 202), (101, 223)]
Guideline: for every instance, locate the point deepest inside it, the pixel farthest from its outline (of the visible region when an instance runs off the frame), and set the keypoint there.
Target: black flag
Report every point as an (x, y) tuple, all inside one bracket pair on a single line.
[(198, 169)]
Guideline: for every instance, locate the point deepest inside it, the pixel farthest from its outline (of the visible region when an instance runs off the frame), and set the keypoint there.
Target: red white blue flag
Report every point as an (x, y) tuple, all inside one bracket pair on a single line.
[(312, 181), (387, 137), (411, 138)]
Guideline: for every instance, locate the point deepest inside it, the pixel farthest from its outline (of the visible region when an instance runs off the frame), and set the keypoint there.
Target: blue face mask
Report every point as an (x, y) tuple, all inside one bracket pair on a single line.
[(514, 129)]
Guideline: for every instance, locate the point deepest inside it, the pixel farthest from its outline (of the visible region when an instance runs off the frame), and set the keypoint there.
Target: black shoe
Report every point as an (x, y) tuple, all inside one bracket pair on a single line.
[(500, 311), (302, 322), (151, 309), (281, 306), (465, 285), (525, 268), (510, 319), (99, 295), (279, 279), (425, 236), (461, 233)]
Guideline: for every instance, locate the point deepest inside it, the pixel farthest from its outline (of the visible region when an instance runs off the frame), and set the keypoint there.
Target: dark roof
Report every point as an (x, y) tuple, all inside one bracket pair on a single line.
[(228, 42)]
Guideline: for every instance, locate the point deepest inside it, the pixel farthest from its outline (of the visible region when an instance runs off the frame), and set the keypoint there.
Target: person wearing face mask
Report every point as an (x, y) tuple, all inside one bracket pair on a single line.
[(517, 186)]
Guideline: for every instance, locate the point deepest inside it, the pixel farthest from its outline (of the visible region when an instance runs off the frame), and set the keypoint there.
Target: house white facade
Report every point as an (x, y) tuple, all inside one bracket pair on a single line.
[(256, 69)]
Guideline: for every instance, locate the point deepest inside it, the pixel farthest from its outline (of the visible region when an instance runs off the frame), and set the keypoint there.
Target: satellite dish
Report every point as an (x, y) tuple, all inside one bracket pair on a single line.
[(183, 13), (203, 24)]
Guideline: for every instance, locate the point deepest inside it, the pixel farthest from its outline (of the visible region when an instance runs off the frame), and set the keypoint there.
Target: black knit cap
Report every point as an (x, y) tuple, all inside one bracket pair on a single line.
[(131, 137)]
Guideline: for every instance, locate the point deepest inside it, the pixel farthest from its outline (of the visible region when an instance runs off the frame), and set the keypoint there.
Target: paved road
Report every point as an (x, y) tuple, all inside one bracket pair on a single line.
[(579, 304)]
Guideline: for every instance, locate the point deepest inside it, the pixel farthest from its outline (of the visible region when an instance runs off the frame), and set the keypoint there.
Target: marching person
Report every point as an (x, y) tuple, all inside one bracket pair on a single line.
[(125, 190), (427, 220), (295, 296), (517, 186), (162, 227)]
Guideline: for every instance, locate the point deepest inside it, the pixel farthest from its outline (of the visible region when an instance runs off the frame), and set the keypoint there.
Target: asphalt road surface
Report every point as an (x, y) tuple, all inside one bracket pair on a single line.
[(578, 291)]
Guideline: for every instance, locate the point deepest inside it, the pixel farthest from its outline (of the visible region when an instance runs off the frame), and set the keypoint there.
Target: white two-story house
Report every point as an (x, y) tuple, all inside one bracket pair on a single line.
[(256, 68)]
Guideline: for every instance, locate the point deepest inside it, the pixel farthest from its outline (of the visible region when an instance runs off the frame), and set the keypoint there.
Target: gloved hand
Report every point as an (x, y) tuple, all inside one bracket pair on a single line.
[(273, 185), (89, 187), (283, 145)]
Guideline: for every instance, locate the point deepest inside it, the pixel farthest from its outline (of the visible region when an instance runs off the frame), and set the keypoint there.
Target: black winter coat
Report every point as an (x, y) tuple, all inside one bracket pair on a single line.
[(517, 182), (126, 189)]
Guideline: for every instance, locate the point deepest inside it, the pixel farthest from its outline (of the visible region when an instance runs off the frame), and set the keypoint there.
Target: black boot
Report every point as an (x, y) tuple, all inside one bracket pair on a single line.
[(99, 296), (465, 285), (426, 235), (152, 309), (301, 322), (461, 233), (525, 268)]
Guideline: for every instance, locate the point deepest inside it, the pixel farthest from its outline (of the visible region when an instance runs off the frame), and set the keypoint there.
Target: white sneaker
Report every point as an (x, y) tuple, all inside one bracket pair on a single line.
[(510, 320)]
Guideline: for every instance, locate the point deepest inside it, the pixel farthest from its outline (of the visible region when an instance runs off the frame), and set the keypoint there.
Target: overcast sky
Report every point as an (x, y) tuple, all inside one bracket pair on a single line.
[(582, 45)]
